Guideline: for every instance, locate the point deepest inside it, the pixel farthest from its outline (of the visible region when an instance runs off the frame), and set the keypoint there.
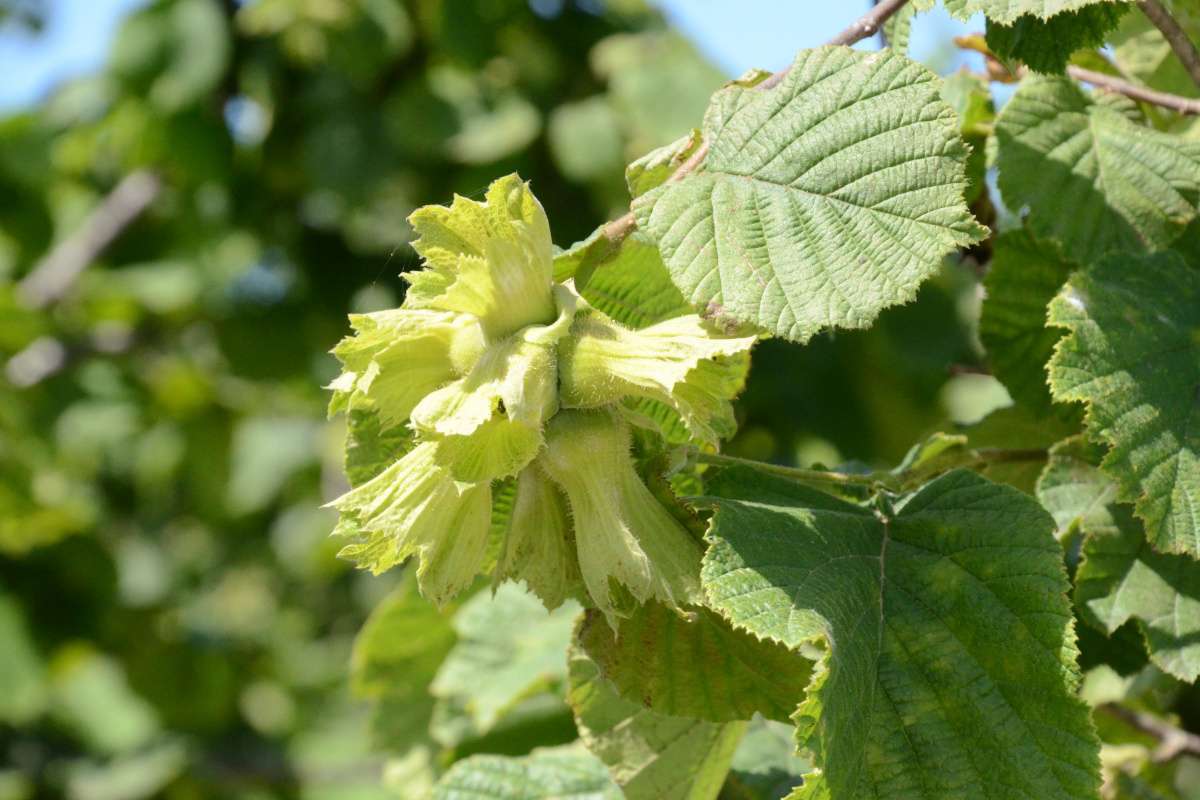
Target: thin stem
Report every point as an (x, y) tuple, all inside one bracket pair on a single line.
[(1110, 83), (869, 24), (1000, 73), (1173, 741), (796, 473), (54, 275), (1184, 48), (976, 459), (866, 25)]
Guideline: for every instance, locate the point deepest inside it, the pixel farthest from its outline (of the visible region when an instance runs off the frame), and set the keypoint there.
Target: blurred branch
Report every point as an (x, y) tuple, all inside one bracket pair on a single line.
[(997, 71), (1110, 83), (865, 26), (1174, 741), (1184, 48), (54, 275)]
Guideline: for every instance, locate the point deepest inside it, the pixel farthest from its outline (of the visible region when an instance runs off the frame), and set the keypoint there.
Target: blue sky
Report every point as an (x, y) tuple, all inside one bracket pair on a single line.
[(740, 34), (736, 34)]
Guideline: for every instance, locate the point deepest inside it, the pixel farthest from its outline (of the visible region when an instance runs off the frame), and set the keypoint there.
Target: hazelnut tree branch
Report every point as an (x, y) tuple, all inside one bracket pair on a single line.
[(1173, 741), (997, 71), (54, 275), (1185, 48), (864, 27), (895, 479), (1183, 105)]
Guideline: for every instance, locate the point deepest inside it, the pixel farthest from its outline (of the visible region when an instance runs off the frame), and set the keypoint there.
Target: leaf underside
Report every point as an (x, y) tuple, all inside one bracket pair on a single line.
[(822, 200)]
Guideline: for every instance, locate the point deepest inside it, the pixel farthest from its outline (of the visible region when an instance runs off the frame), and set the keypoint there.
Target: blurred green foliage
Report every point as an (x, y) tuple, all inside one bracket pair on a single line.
[(172, 619)]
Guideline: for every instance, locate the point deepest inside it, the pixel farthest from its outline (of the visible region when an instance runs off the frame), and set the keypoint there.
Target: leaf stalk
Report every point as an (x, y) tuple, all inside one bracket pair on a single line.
[(887, 479)]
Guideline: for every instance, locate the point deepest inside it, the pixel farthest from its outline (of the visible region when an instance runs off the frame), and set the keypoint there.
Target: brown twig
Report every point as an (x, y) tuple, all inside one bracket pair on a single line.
[(1111, 83), (866, 25), (53, 276), (869, 24), (1173, 741), (1185, 48), (997, 71)]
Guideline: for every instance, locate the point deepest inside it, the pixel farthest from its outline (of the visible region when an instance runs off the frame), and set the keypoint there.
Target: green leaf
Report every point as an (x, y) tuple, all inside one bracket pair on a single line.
[(1073, 489), (652, 170), (1007, 11), (1016, 427), (950, 665), (1046, 45), (396, 655), (634, 287), (1133, 356), (563, 774), (1023, 278), (266, 452), (489, 131), (509, 649), (970, 96), (651, 756), (658, 84), (897, 29), (22, 674), (369, 449), (1142, 53), (822, 200), (175, 54), (1122, 578), (585, 139), (695, 665), (582, 258), (1091, 178), (90, 697), (140, 775), (765, 765)]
